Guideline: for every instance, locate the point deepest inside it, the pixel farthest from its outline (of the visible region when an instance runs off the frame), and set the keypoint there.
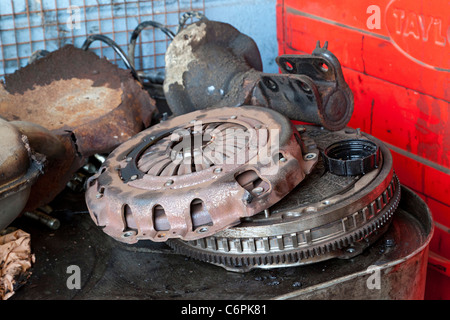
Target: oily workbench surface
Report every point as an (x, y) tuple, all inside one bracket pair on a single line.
[(149, 270)]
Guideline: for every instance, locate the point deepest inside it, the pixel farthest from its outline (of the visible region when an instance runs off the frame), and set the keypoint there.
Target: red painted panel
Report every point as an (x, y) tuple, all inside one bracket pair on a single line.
[(436, 184), (349, 13), (409, 171), (440, 211), (441, 241), (437, 286), (416, 176), (416, 63), (399, 73), (412, 121)]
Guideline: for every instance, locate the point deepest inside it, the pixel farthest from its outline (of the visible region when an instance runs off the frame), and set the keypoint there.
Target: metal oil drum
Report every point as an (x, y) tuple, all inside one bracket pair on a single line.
[(394, 268)]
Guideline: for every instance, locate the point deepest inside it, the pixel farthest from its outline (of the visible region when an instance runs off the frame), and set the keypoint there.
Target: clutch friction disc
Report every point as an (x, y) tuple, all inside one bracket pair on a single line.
[(325, 216), (196, 174)]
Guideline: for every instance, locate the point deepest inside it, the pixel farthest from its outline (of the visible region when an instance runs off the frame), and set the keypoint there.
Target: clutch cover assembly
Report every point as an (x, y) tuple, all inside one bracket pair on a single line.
[(338, 210), (196, 174)]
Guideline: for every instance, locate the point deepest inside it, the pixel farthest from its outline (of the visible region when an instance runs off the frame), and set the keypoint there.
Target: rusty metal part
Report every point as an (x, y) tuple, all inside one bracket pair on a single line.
[(43, 217), (19, 169), (90, 105), (154, 76), (41, 140), (201, 63), (78, 181), (210, 63), (319, 72), (14, 155), (196, 174), (326, 216), (188, 15)]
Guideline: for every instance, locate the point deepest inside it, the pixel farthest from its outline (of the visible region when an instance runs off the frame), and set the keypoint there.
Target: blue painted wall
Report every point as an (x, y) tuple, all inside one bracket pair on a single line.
[(22, 32), (255, 18)]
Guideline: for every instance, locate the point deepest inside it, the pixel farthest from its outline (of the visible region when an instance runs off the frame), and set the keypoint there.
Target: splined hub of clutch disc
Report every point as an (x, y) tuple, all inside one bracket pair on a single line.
[(327, 215), (196, 174)]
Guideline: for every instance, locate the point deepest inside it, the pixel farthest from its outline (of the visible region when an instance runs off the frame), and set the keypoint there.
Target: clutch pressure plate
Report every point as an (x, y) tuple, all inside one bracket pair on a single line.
[(199, 173)]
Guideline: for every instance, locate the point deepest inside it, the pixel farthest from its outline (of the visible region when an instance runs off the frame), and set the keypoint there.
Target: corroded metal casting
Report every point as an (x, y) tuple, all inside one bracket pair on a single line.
[(90, 105), (211, 63), (196, 174)]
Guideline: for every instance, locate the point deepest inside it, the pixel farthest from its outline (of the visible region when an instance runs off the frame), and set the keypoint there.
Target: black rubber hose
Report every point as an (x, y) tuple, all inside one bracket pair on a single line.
[(137, 31), (90, 39)]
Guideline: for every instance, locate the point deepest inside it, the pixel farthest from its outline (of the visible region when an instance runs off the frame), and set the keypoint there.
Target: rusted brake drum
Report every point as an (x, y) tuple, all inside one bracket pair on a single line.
[(88, 103), (196, 174)]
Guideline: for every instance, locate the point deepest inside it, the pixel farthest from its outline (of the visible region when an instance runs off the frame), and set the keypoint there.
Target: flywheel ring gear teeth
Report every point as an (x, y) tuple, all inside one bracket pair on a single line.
[(336, 247), (155, 187)]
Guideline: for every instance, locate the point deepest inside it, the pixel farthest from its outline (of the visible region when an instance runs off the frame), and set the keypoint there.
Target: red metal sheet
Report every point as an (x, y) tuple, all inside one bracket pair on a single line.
[(405, 118), (395, 56), (414, 63), (441, 211)]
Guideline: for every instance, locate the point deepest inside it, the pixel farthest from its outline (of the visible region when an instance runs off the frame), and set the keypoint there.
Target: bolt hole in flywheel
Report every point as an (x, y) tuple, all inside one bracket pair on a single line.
[(196, 174), (343, 206)]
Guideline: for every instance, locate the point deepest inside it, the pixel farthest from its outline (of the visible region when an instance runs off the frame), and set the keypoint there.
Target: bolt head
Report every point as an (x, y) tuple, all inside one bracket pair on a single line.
[(169, 183), (310, 156), (258, 190)]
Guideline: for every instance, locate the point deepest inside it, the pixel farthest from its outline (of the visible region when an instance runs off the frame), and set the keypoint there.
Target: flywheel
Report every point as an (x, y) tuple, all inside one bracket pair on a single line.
[(341, 208)]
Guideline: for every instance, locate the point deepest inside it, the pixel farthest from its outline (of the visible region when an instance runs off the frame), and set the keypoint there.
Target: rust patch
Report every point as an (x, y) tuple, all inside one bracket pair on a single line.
[(195, 174), (65, 64), (78, 98)]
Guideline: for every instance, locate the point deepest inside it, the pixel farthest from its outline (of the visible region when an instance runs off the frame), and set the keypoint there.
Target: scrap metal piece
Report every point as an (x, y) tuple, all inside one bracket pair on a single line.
[(196, 174), (43, 217), (326, 216), (90, 105), (322, 72), (212, 64), (207, 62), (19, 169)]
